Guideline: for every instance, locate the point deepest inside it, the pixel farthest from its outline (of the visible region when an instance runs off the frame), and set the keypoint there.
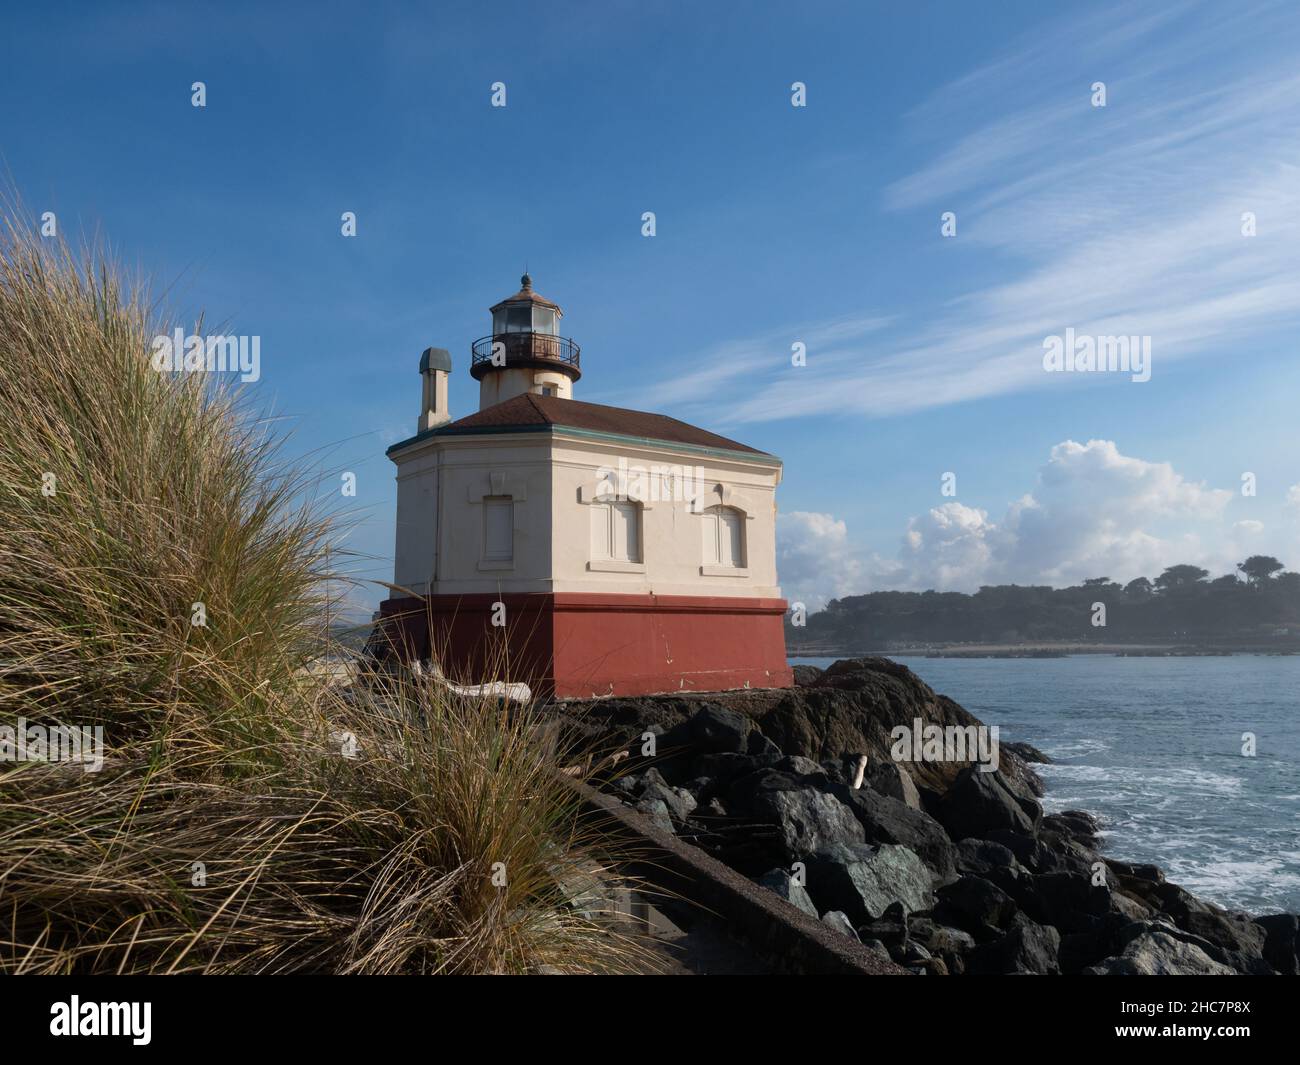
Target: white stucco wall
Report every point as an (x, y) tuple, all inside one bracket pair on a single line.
[(554, 480), (671, 535), (440, 488)]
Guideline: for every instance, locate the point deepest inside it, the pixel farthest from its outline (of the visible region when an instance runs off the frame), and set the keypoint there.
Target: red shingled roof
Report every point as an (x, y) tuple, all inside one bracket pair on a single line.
[(531, 409)]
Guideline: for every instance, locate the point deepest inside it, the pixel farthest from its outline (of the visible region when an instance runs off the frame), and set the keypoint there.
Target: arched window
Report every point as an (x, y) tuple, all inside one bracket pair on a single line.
[(724, 537), (616, 531)]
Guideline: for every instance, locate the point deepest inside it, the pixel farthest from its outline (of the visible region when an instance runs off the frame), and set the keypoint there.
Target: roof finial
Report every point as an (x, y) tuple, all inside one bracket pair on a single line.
[(526, 281)]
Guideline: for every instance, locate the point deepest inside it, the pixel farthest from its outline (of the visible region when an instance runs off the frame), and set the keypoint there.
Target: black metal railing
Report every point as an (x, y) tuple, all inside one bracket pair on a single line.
[(524, 347)]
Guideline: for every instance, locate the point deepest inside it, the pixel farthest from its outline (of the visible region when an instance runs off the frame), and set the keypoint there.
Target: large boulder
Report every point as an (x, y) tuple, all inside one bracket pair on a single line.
[(1026, 947), (807, 818), (979, 803), (888, 820), (1076, 825), (1232, 939), (975, 905), (893, 780), (1155, 949), (1282, 941), (713, 774), (805, 676), (1071, 902), (865, 881), (1234, 932), (979, 857), (712, 730)]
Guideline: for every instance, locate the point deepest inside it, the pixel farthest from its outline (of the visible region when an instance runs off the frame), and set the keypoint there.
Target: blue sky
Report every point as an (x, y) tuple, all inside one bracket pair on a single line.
[(775, 225)]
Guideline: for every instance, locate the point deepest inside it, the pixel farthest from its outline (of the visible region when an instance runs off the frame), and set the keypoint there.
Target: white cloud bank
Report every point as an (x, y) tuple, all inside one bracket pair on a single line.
[(1094, 512)]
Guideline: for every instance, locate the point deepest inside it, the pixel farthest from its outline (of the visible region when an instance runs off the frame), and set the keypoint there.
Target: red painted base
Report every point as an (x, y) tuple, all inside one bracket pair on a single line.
[(576, 646)]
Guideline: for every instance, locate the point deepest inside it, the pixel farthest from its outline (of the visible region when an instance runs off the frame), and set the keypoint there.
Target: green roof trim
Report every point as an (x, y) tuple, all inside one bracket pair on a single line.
[(757, 457)]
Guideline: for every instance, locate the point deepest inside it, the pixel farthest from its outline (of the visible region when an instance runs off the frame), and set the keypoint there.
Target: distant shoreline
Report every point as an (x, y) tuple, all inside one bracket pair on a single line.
[(1046, 650)]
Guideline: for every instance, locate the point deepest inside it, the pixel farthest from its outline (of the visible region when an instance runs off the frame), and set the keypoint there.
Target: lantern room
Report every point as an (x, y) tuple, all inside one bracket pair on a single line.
[(524, 352)]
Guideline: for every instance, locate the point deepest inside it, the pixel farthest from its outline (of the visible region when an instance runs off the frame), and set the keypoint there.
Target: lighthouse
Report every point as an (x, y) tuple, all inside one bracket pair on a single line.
[(587, 550)]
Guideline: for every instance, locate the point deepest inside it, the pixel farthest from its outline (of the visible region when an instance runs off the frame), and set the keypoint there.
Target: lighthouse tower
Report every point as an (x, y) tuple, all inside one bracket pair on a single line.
[(524, 352), (588, 550)]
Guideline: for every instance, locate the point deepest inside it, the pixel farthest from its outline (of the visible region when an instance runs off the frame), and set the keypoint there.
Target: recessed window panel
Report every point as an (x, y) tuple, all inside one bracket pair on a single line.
[(498, 529)]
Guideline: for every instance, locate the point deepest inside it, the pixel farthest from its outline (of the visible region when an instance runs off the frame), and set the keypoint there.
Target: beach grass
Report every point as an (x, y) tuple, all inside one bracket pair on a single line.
[(162, 581)]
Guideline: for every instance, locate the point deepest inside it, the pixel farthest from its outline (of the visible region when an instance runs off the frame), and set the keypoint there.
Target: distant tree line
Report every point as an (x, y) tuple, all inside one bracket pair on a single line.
[(1260, 602)]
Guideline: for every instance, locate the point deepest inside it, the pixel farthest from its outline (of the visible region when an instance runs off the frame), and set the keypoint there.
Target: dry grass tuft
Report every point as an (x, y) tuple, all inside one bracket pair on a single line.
[(224, 751)]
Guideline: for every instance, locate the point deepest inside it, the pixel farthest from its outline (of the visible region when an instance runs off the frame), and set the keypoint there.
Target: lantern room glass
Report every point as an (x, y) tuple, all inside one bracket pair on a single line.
[(525, 318), (543, 320)]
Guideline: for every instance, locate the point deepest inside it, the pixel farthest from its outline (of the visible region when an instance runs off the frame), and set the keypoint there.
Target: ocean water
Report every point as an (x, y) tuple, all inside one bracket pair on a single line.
[(1153, 747)]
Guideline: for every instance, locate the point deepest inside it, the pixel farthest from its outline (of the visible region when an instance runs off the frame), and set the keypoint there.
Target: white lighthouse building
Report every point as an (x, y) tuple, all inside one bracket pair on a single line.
[(586, 549)]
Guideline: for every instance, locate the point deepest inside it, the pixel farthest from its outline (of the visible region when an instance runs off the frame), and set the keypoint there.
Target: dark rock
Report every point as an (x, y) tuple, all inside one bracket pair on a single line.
[(891, 930), (722, 770), (1157, 949), (783, 884), (657, 811), (808, 819), (979, 803), (801, 766), (1282, 941), (1233, 939), (837, 770), (806, 675), (979, 856), (854, 705), (1059, 854), (1081, 827), (1027, 947), (887, 820), (607, 724), (892, 780), (1067, 900), (938, 939), (712, 730), (770, 768), (1233, 932), (865, 881), (1150, 874), (1027, 753), (1027, 849), (1130, 908), (679, 801), (851, 707), (975, 905)]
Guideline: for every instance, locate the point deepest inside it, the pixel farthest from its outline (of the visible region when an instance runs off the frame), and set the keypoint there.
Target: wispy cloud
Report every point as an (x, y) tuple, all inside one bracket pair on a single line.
[(1118, 220), (734, 363)]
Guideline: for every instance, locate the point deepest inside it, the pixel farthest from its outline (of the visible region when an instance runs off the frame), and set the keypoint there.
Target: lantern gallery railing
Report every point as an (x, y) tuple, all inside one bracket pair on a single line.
[(523, 347)]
